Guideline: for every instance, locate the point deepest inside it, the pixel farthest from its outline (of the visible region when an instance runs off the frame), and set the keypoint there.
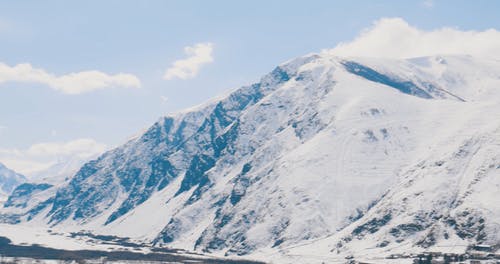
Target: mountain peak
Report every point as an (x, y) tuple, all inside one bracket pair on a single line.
[(322, 148)]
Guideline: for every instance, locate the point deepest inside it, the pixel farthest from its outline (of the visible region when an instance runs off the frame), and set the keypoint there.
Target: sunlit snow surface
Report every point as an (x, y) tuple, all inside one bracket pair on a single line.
[(325, 157)]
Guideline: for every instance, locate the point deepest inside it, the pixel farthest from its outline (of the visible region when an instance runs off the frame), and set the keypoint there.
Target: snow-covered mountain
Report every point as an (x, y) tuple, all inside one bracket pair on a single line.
[(60, 171), (9, 180), (38, 190), (323, 156)]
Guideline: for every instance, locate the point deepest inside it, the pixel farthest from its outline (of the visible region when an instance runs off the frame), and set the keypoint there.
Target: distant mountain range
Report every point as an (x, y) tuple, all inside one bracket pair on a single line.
[(9, 180), (323, 156)]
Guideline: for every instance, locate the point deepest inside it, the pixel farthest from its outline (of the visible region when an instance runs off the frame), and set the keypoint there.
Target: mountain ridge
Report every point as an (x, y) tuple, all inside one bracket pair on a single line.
[(311, 151)]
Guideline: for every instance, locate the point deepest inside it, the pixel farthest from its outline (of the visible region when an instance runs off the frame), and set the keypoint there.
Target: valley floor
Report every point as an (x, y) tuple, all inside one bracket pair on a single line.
[(32, 245), (27, 244)]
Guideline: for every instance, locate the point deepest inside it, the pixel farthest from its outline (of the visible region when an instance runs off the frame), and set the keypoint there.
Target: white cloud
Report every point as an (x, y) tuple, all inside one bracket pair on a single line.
[(80, 147), (41, 156), (395, 38), (72, 83), (428, 3), (187, 68)]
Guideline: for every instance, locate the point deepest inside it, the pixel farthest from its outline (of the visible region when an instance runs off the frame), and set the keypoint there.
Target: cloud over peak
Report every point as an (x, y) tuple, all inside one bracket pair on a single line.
[(395, 38), (72, 83), (198, 55), (41, 156)]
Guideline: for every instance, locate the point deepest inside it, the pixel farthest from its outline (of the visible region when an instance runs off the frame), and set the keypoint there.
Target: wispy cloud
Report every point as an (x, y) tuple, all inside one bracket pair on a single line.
[(41, 156), (198, 55), (428, 3), (395, 38), (72, 83)]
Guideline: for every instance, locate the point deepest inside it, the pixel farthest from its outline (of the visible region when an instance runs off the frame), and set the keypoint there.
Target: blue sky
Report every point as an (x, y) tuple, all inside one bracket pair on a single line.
[(144, 38)]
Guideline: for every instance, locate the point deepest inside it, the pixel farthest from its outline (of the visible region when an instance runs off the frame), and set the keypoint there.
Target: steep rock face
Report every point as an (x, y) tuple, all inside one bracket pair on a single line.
[(23, 193), (329, 153), (187, 143)]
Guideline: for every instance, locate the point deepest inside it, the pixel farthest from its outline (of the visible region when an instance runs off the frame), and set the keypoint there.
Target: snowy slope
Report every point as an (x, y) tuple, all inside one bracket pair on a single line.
[(37, 192), (8, 181), (325, 156)]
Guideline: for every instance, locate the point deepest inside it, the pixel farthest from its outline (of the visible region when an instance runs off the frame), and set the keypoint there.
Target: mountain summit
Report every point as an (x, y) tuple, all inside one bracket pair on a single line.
[(324, 154)]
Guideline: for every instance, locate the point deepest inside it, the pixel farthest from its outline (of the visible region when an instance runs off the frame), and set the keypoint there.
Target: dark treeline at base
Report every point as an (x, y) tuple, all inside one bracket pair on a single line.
[(40, 252)]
